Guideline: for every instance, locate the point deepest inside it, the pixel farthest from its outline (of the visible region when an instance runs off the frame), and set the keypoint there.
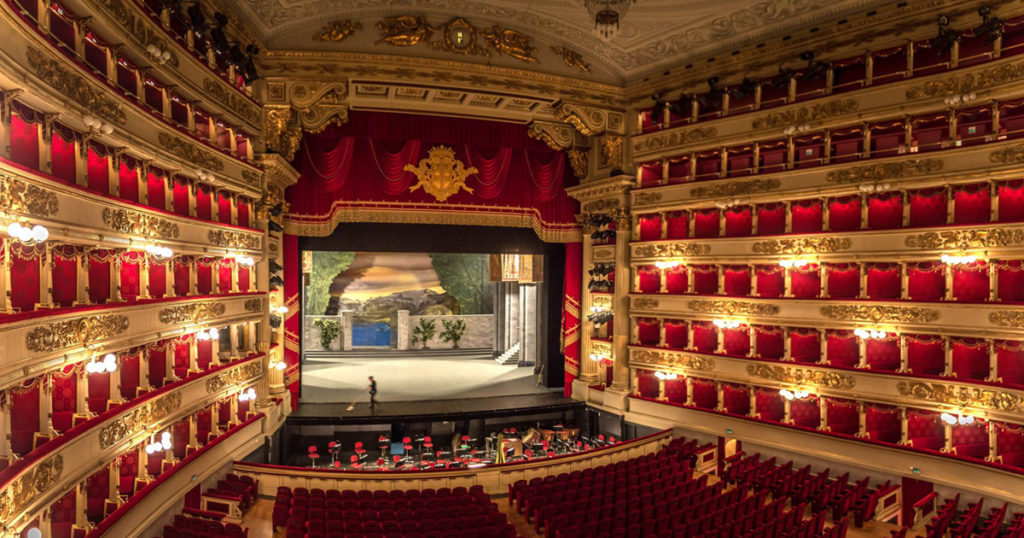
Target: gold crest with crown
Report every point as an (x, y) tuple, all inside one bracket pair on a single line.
[(441, 175)]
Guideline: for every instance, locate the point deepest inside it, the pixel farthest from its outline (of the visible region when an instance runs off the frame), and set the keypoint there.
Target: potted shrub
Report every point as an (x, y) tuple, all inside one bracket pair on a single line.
[(453, 331), (423, 332)]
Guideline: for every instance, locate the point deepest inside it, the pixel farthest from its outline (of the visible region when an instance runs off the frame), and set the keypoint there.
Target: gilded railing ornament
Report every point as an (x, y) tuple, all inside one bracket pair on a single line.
[(138, 419), (601, 301), (337, 30), (229, 239), (22, 492), (736, 188), (404, 30), (579, 160), (441, 175), (669, 359), (651, 143), (232, 100), (961, 84), (510, 42), (802, 376), (965, 239), (139, 28), (810, 245), (884, 171), (190, 152), (137, 223), (1007, 318), (641, 198), (1010, 155), (731, 308), (644, 303), (571, 58), (962, 396), (75, 332), (600, 206), (671, 250), (75, 87), (808, 113), (19, 196), (903, 314), (253, 305), (233, 376), (191, 313)]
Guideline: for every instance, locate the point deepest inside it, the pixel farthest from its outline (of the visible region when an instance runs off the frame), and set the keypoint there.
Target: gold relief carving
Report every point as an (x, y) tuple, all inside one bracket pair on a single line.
[(808, 113), (18, 196), (138, 419), (75, 87), (253, 305), (904, 314), (651, 143), (280, 133), (231, 100), (611, 151), (557, 135), (228, 239), (601, 301), (599, 206), (138, 29), (191, 313), (22, 492), (136, 223), (1007, 318), (731, 308), (404, 30), (75, 332), (510, 42), (802, 376), (962, 396), (603, 253), (601, 348), (669, 250), (881, 172), (234, 376), (1009, 155), (251, 178), (802, 246), (646, 197), (736, 188), (579, 160), (964, 239), (571, 58), (190, 152), (958, 85), (441, 175), (460, 37), (588, 120), (643, 303), (337, 30), (672, 360)]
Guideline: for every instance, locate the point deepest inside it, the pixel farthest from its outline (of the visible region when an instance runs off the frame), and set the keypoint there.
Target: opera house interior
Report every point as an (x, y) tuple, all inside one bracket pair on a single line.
[(509, 268)]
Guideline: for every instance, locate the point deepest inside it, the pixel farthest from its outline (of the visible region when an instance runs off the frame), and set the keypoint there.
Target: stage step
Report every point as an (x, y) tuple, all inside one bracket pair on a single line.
[(510, 357), (394, 353)]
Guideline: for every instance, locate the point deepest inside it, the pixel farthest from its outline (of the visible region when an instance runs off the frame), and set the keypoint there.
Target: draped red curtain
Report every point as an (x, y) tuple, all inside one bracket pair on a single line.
[(62, 153), (24, 416), (25, 272), (24, 131), (223, 208), (64, 395), (97, 171), (204, 201), (128, 177), (99, 275), (243, 212), (204, 275), (65, 274), (204, 353), (571, 315), (129, 372), (157, 364), (155, 190), (180, 195), (131, 262), (157, 279), (99, 391), (181, 276), (181, 355)]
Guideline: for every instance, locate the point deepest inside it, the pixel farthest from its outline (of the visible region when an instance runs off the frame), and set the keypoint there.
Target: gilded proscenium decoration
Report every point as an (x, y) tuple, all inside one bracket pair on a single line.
[(231, 100), (736, 188), (808, 113), (75, 332), (571, 58), (965, 239), (651, 143), (884, 171), (441, 175), (253, 305), (191, 313), (589, 120), (75, 87), (22, 492), (281, 134), (17, 196), (557, 135), (962, 396), (822, 245), (233, 376), (670, 359), (644, 303), (1007, 318), (138, 419), (404, 30), (601, 301), (579, 160), (802, 376), (137, 223), (602, 205), (732, 308), (961, 84), (510, 42), (641, 198), (903, 314), (611, 151), (1010, 155), (337, 30), (228, 239), (671, 250), (190, 152)]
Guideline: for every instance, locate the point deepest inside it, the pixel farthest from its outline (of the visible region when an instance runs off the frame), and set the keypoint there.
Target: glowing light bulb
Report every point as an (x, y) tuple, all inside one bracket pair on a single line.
[(214, 334), (787, 394)]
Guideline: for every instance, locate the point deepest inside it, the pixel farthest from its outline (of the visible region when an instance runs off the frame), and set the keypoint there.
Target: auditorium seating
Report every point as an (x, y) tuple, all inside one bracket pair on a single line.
[(318, 513), (203, 524)]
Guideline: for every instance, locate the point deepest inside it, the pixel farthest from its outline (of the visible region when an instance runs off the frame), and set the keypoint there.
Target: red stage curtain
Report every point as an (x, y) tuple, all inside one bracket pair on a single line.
[(885, 211), (97, 169), (769, 341), (928, 207), (769, 405), (842, 348), (970, 358), (972, 204), (180, 197), (24, 131), (925, 354), (157, 279), (155, 195), (676, 279), (182, 269), (204, 201), (805, 282), (738, 221), (678, 225), (1011, 201), (883, 354), (771, 281), (571, 315), (62, 153), (1010, 362), (806, 216), (100, 262), (705, 279), (650, 227), (24, 416), (129, 179), (736, 341), (648, 331), (63, 397), (705, 337), (804, 345), (243, 212), (926, 281), (737, 280), (204, 275), (1010, 279), (843, 280), (224, 275), (223, 208), (130, 274), (129, 371), (883, 281), (204, 354), (970, 282), (675, 334), (705, 223), (99, 391), (25, 267), (844, 214), (65, 274)]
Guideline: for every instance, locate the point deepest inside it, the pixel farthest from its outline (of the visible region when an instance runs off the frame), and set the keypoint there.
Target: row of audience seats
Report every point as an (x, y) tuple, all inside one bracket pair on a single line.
[(950, 521), (203, 525)]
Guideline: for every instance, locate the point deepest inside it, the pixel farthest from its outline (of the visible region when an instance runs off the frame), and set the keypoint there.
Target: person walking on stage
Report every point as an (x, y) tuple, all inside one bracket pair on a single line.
[(372, 389)]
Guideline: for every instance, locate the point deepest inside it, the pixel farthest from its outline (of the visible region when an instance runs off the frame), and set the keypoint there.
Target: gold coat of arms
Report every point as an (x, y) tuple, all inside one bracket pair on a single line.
[(441, 175)]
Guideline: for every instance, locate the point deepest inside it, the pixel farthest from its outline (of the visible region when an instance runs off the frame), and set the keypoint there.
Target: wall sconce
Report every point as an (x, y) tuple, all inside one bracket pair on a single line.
[(667, 265), (108, 364), (28, 235), (966, 259), (790, 263), (247, 395), (159, 252), (247, 261), (870, 334), (726, 323), (158, 446), (875, 187), (958, 418), (203, 175), (278, 366), (666, 376), (97, 125), (728, 203), (281, 310), (212, 334), (796, 129), (794, 394), (158, 55), (963, 99)]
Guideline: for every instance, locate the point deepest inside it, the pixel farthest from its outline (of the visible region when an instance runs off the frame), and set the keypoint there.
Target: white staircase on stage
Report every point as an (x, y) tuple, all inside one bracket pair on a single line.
[(509, 357)]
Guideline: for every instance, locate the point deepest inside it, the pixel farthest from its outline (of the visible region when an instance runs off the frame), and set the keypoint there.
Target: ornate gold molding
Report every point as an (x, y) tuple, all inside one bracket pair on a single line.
[(190, 152), (669, 359), (644, 303), (731, 308), (22, 492), (191, 313), (1010, 155), (884, 171), (579, 160), (440, 174), (670, 250), (75, 332), (234, 376), (571, 58), (1007, 318), (510, 42), (736, 188), (229, 239), (232, 100), (601, 206), (253, 305), (654, 142), (557, 135), (337, 30), (802, 376), (965, 239), (589, 120), (903, 314), (611, 151), (961, 84), (805, 114), (404, 30), (137, 223), (601, 301), (138, 419), (75, 87), (139, 29), (962, 396), (641, 198), (19, 196), (280, 133), (801, 246)]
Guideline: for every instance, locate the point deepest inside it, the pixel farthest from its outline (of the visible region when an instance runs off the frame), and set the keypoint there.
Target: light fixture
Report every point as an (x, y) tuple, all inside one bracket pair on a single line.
[(991, 26), (959, 418), (247, 261), (159, 446), (97, 125), (726, 323), (157, 54), (869, 334), (666, 376), (158, 251), (790, 263), (794, 394), (873, 188), (943, 42), (962, 99), (34, 532), (108, 364), (606, 15), (203, 175), (204, 335), (278, 366), (23, 233), (667, 265), (247, 395), (966, 259), (281, 310)]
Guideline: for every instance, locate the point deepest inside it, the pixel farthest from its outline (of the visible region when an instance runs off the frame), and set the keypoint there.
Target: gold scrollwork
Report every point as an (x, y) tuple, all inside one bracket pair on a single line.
[(231, 99), (964, 239), (600, 206), (190, 152), (337, 30), (280, 132), (138, 419), (557, 135), (808, 113), (1010, 155), (579, 160), (641, 198), (731, 308), (651, 143), (18, 196), (441, 175), (668, 359), (510, 42), (644, 303), (75, 332), (884, 171), (136, 223), (75, 87), (1007, 318), (961, 84), (802, 376), (571, 58), (736, 188), (670, 250), (962, 396), (810, 245), (253, 305), (23, 491), (611, 151), (228, 239), (404, 30), (191, 313), (601, 301), (903, 314), (233, 376)]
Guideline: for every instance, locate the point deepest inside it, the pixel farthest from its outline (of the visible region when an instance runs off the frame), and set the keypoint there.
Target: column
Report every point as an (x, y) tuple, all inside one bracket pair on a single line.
[(823, 346), (144, 277), (114, 480), (752, 334), (46, 278), (993, 362), (115, 382), (233, 330), (689, 391), (81, 504), (862, 272), (993, 281), (904, 363), (823, 281), (661, 389), (115, 279), (862, 352), (993, 436), (787, 290), (664, 224), (947, 438), (662, 280), (863, 212), (193, 276), (168, 184), (661, 333), (822, 414), (948, 348), (169, 278), (862, 421), (46, 405), (752, 395), (620, 305), (719, 396), (904, 440), (689, 334), (144, 370), (904, 279), (5, 430), (193, 190), (214, 205), (402, 338), (234, 276), (787, 411), (947, 272), (787, 346), (193, 354)]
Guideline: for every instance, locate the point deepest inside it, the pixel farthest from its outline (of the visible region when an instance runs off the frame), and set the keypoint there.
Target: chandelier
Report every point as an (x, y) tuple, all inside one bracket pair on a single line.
[(606, 15)]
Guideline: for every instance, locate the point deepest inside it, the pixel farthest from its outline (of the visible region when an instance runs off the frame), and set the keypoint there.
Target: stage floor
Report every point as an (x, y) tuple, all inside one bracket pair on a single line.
[(409, 376)]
